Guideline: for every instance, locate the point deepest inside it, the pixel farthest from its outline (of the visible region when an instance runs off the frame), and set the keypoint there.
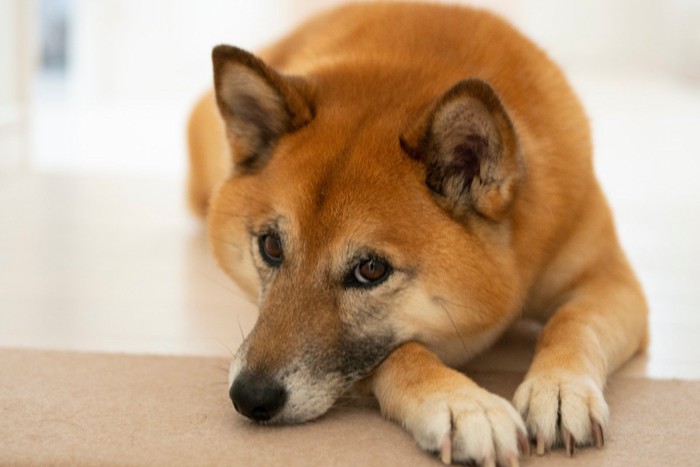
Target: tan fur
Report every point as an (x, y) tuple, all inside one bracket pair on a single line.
[(209, 158), (343, 180)]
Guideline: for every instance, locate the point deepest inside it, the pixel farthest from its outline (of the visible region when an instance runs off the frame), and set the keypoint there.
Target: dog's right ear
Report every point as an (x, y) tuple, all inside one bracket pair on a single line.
[(258, 105)]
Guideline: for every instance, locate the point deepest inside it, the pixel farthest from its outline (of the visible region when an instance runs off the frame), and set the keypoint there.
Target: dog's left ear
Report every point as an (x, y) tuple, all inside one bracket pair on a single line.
[(258, 104), (470, 150)]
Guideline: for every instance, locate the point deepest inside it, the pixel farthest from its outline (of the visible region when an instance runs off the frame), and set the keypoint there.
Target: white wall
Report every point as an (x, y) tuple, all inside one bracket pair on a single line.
[(621, 35), (156, 48), (15, 60), (138, 65), (136, 68)]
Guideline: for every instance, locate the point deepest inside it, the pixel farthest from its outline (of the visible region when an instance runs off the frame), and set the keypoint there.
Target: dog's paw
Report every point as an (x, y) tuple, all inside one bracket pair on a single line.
[(468, 425), (562, 408)]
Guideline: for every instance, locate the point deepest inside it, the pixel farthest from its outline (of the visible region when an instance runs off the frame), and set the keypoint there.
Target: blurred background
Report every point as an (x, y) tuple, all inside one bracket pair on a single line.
[(97, 251), (78, 73)]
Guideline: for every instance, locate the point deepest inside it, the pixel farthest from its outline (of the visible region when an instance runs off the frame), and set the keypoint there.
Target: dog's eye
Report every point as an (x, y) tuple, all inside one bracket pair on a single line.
[(371, 272), (271, 248)]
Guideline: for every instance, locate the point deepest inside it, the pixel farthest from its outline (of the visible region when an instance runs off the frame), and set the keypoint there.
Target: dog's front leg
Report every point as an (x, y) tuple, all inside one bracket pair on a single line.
[(599, 328), (447, 412)]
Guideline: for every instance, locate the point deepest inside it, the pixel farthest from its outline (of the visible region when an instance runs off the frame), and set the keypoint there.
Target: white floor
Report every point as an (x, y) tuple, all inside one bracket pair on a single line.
[(113, 262)]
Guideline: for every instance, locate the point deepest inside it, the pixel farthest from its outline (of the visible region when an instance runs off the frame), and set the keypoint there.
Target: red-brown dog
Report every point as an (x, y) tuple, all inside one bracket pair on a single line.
[(401, 183)]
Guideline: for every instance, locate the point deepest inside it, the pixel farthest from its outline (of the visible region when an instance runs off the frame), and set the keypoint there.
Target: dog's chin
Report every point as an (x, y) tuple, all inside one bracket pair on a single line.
[(296, 418), (307, 404)]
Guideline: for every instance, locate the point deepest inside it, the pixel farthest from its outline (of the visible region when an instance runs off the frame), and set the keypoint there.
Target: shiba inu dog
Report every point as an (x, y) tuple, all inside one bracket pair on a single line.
[(395, 185)]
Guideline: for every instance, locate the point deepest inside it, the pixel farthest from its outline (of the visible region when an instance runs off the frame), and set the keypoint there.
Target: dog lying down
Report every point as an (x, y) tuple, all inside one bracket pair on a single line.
[(394, 185)]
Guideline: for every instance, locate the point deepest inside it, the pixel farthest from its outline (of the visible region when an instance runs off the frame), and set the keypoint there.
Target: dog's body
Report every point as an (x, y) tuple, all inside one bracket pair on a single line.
[(408, 180)]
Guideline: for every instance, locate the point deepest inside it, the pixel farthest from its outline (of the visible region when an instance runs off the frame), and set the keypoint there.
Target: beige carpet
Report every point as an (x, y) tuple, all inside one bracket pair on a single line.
[(63, 408)]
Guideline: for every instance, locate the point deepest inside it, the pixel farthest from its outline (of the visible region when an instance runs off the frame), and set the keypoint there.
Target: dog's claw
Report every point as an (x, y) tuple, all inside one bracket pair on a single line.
[(540, 444), (598, 434), (513, 461), (446, 451), (524, 444), (570, 443), (490, 462)]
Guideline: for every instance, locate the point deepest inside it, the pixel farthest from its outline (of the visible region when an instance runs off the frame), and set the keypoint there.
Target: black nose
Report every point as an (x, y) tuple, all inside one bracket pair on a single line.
[(257, 397)]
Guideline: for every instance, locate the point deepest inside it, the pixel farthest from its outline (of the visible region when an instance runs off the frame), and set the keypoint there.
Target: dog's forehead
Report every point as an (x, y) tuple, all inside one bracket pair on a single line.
[(358, 189)]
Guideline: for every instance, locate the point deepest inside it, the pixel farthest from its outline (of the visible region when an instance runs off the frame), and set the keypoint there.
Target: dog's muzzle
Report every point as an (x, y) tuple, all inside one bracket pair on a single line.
[(256, 396)]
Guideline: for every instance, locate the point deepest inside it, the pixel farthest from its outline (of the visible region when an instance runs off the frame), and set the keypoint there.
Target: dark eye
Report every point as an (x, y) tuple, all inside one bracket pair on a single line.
[(371, 272), (271, 248)]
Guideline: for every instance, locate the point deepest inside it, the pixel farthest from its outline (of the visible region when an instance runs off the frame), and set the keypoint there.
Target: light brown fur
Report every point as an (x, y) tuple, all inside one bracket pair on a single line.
[(548, 252)]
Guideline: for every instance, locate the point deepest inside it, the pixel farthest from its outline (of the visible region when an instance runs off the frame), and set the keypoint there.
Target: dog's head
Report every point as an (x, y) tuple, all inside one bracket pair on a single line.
[(359, 218)]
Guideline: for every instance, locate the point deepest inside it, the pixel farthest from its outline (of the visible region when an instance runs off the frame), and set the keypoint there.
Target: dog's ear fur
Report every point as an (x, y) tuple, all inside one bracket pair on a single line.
[(470, 150), (258, 105)]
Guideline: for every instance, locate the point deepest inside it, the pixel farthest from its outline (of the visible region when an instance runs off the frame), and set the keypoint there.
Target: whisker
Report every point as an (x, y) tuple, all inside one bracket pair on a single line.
[(240, 328), (232, 291), (226, 346), (466, 352), (443, 299)]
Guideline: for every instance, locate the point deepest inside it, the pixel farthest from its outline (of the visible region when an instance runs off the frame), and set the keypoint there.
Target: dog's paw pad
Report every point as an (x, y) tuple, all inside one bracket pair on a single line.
[(562, 409), (469, 425)]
